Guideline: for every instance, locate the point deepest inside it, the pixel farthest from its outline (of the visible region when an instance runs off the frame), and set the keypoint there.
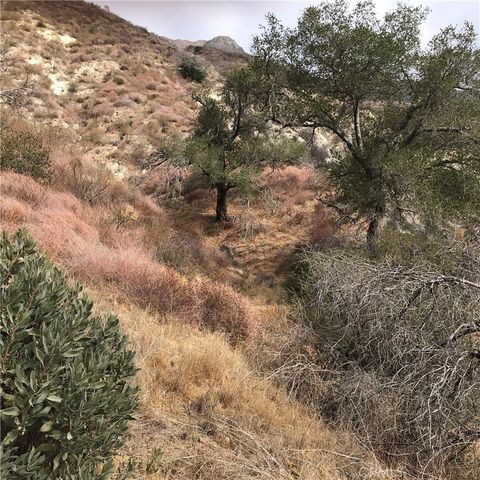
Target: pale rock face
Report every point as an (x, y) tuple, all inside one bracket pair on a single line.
[(52, 35), (58, 85), (118, 170), (321, 143), (35, 60), (225, 44)]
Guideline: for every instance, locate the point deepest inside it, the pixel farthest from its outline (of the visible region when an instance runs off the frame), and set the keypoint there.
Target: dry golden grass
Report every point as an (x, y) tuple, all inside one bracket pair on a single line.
[(214, 418)]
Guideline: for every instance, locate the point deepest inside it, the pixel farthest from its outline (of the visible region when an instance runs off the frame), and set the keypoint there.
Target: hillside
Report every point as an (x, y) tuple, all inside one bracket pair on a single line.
[(101, 89), (70, 51), (112, 94), (234, 366)]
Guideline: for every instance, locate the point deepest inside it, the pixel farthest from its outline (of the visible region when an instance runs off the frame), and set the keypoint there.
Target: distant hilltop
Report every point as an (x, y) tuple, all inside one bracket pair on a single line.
[(223, 43)]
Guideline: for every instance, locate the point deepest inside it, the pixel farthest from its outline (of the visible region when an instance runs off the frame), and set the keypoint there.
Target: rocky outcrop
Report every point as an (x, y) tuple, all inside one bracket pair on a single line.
[(226, 44), (222, 43)]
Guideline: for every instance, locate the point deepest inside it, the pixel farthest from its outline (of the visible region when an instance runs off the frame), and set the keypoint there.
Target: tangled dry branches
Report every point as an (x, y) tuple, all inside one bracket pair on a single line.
[(400, 355)]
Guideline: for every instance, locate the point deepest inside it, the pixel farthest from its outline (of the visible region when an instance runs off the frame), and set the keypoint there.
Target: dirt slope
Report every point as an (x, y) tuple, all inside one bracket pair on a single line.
[(111, 83)]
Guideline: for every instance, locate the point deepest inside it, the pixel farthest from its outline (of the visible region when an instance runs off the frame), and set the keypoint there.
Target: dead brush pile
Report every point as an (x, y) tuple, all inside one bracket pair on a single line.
[(93, 248), (396, 355)]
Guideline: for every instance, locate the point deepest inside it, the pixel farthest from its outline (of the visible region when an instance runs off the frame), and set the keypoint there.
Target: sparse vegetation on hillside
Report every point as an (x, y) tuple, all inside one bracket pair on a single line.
[(273, 345)]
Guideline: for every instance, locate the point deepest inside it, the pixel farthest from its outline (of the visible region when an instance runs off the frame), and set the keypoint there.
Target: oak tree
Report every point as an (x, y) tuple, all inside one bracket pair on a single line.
[(406, 118), (231, 142)]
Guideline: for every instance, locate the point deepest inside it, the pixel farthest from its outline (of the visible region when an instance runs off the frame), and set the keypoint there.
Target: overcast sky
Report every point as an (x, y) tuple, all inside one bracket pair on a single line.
[(202, 20)]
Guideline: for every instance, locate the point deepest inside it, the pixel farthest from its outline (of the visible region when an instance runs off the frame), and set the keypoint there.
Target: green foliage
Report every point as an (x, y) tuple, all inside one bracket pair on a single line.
[(23, 153), (409, 248), (65, 391), (190, 69), (407, 119), (241, 162), (212, 122), (206, 160), (445, 250), (230, 144), (168, 145)]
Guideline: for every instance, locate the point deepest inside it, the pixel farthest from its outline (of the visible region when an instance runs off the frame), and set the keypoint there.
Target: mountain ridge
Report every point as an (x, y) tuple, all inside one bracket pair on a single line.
[(220, 42)]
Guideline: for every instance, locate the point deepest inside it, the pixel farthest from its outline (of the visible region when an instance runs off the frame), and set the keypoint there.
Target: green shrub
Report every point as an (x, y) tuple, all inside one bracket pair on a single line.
[(65, 393), (24, 153), (190, 69)]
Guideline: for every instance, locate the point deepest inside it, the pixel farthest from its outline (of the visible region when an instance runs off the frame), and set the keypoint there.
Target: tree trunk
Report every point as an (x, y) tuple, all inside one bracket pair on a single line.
[(373, 226), (358, 129), (372, 233), (222, 215)]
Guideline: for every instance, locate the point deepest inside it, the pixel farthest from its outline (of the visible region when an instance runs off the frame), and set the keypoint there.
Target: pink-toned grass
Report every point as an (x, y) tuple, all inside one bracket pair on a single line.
[(79, 238), (290, 184), (13, 212), (21, 188)]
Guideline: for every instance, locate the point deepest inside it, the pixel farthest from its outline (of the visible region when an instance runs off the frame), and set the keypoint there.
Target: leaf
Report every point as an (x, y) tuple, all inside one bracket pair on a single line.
[(44, 410), (47, 426), (7, 397), (10, 437), (57, 435), (47, 447), (56, 462), (39, 354), (54, 398), (20, 374), (41, 397), (10, 412), (73, 353)]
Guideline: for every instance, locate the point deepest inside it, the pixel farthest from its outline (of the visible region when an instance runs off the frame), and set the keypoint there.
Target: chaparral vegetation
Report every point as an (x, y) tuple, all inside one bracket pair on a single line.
[(227, 265)]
